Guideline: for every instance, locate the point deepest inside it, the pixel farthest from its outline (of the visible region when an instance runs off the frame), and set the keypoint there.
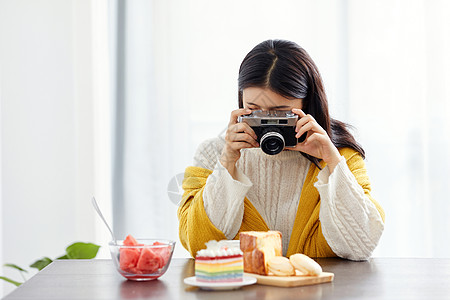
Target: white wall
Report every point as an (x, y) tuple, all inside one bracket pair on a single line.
[(48, 128), (1, 181)]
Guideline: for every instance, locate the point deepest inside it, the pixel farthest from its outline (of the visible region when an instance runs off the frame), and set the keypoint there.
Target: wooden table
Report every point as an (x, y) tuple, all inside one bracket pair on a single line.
[(378, 278)]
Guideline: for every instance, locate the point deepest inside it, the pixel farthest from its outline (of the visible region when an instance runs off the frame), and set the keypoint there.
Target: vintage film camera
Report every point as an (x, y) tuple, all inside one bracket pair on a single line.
[(275, 129)]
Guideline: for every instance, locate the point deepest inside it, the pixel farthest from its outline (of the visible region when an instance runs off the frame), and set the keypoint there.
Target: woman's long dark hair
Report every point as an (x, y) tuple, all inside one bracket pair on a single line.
[(286, 68)]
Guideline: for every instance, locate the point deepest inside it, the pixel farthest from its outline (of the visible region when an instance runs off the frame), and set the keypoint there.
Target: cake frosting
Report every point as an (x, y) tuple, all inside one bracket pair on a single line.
[(219, 262)]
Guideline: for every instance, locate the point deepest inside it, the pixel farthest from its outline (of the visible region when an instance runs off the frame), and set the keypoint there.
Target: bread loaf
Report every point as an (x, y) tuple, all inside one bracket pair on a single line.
[(305, 264), (258, 247), (280, 266)]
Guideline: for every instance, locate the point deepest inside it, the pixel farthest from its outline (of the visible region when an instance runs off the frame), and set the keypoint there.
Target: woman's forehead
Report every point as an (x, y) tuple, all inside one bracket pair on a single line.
[(266, 98)]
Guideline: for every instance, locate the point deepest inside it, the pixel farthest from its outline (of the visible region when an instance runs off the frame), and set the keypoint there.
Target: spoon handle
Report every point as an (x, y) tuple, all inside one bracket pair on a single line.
[(97, 209)]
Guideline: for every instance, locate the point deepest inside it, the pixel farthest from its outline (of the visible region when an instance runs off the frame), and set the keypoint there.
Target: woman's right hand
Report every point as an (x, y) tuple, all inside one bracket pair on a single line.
[(237, 137)]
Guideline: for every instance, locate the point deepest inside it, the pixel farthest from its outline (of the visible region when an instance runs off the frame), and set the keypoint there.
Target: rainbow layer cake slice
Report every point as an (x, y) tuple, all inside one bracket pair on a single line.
[(219, 263)]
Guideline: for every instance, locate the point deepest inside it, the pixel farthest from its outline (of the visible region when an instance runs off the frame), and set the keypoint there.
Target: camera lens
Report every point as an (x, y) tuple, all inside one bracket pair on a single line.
[(272, 143)]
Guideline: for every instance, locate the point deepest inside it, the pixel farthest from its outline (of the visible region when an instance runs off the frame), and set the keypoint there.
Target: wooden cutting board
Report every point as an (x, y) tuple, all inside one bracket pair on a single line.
[(291, 281)]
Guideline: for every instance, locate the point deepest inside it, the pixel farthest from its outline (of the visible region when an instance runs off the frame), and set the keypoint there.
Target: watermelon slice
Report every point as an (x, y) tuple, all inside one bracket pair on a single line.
[(149, 261), (164, 252), (131, 241), (129, 259)]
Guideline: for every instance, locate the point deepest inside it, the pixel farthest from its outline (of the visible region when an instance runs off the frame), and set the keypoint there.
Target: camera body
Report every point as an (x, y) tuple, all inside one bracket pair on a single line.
[(275, 129)]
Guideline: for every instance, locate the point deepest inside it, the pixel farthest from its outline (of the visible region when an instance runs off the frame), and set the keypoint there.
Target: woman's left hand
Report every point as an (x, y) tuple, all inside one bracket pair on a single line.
[(317, 142)]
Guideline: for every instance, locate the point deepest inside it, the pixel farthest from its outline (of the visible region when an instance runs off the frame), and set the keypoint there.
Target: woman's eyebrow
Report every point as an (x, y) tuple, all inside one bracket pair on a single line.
[(272, 107), (281, 106)]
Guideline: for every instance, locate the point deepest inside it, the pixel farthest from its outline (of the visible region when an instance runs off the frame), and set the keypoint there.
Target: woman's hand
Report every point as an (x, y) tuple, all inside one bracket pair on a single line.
[(317, 142), (238, 136)]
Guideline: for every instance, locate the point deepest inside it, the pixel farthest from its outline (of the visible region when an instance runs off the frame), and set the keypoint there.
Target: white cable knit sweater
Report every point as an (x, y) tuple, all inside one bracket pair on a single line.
[(350, 222)]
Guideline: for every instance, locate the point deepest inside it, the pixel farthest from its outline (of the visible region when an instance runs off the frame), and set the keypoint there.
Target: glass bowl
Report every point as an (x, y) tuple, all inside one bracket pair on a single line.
[(146, 261)]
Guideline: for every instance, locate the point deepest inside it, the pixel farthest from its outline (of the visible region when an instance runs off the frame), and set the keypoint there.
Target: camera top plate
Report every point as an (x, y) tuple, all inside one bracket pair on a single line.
[(270, 118)]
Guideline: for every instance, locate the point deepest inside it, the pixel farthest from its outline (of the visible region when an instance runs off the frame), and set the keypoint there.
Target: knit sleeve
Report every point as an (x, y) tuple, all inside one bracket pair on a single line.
[(213, 203), (195, 228), (223, 196), (208, 153), (352, 221)]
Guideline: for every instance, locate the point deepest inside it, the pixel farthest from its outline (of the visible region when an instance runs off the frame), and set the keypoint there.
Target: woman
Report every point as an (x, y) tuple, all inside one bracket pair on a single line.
[(316, 194)]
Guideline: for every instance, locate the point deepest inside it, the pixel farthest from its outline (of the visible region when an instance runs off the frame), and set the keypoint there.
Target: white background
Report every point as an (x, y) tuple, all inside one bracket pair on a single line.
[(51, 164), (385, 64)]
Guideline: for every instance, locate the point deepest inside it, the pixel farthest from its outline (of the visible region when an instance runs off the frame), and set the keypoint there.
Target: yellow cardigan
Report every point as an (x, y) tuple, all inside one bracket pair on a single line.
[(195, 228)]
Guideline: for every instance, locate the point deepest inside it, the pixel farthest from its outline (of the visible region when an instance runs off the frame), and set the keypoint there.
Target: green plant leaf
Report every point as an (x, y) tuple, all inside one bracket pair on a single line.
[(82, 251), (63, 257), (10, 281), (41, 263), (15, 267)]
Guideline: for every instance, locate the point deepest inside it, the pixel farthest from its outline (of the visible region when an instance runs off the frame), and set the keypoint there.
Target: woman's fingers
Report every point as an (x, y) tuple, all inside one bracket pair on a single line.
[(234, 137), (306, 123), (242, 127), (303, 121), (305, 128), (303, 118), (317, 143), (237, 137), (299, 112), (238, 112), (240, 145)]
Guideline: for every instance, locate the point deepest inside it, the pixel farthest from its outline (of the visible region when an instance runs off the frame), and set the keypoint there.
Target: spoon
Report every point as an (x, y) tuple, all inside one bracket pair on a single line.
[(97, 209)]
